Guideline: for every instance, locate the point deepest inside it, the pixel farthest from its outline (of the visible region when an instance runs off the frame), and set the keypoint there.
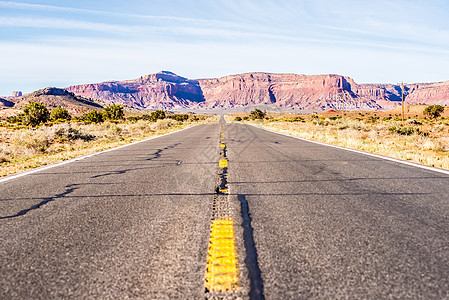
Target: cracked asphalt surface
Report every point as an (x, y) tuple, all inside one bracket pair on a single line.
[(323, 223)]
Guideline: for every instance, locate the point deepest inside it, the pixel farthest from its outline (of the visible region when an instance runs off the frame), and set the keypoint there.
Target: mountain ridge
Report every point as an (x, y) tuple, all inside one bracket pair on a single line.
[(167, 90)]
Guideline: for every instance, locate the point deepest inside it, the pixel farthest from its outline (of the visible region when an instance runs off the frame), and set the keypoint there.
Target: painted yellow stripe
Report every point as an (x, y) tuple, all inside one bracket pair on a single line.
[(222, 272), (223, 163), (222, 145)]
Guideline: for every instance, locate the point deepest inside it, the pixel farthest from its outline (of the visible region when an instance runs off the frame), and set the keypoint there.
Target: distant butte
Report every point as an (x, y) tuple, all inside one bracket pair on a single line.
[(166, 90)]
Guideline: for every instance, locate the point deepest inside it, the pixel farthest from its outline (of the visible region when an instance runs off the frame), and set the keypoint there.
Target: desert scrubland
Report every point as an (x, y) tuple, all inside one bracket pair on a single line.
[(419, 138)]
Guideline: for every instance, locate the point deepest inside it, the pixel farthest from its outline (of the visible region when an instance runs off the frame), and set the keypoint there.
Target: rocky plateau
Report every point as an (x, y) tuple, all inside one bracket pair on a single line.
[(273, 92), (166, 90)]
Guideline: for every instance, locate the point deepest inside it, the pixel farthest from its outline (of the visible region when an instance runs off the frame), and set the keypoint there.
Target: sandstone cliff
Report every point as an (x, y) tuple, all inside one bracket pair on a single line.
[(166, 90), (162, 90)]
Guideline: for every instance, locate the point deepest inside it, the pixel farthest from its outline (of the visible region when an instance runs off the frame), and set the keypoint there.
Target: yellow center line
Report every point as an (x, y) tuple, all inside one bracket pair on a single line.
[(222, 272), (223, 163)]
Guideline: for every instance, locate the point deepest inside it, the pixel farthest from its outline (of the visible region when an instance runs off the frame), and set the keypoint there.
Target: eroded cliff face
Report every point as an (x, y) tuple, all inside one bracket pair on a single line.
[(429, 93), (166, 90), (163, 90)]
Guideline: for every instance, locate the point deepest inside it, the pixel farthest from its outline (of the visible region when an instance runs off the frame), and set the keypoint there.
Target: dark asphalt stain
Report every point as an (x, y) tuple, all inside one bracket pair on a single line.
[(155, 155), (40, 204)]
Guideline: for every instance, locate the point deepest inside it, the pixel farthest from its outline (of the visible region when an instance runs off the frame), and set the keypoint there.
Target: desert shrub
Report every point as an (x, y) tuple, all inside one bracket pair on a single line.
[(320, 122), (295, 119), (115, 129), (245, 118), (163, 124), (15, 119), (113, 112), (257, 114), (372, 119), (65, 132), (386, 118), (342, 126), (433, 111), (413, 122), (402, 130), (34, 140), (3, 158), (93, 117), (179, 117), (237, 119), (157, 115), (134, 118), (34, 114), (141, 126), (60, 113)]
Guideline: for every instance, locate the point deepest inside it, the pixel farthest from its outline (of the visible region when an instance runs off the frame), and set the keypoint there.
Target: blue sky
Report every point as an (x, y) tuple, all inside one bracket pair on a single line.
[(61, 43)]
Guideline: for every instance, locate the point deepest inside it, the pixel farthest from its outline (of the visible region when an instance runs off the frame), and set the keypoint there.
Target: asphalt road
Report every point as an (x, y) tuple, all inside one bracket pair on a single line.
[(317, 222), (334, 224)]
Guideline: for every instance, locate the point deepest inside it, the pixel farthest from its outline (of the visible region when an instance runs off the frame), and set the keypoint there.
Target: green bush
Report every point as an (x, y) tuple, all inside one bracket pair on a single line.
[(257, 114), (179, 117), (134, 118), (433, 111), (157, 115), (34, 114), (402, 130), (60, 113), (237, 119), (113, 112), (15, 119), (93, 117)]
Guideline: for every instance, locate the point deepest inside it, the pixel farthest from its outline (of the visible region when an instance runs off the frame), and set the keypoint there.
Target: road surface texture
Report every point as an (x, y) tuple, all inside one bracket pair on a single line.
[(312, 222)]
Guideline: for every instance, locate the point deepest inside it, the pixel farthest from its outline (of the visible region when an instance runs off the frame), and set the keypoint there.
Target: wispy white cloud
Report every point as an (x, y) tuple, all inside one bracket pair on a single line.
[(43, 7), (201, 32)]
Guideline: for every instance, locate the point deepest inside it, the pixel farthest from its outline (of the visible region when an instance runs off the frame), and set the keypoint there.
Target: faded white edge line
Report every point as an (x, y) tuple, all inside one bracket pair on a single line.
[(362, 152), (15, 176)]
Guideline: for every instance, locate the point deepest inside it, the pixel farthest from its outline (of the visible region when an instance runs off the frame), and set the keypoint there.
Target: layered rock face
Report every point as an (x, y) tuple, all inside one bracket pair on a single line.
[(429, 93), (162, 90), (316, 92), (166, 90)]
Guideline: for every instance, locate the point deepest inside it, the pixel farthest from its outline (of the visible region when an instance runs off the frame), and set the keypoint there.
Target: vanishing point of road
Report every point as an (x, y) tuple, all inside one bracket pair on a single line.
[(310, 222)]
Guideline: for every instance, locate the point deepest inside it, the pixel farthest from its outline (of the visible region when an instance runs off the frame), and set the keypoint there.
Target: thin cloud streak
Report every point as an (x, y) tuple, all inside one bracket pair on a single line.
[(206, 33), (42, 7)]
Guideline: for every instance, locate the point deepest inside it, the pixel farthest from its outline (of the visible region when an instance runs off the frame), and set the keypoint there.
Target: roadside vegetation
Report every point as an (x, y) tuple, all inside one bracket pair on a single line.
[(38, 137), (423, 137)]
